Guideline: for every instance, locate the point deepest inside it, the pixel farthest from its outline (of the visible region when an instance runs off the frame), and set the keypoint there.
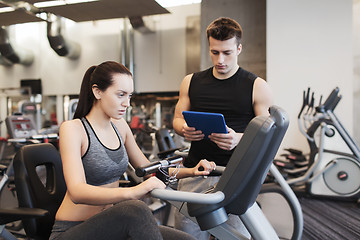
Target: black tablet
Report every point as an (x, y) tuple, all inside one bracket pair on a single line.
[(206, 122)]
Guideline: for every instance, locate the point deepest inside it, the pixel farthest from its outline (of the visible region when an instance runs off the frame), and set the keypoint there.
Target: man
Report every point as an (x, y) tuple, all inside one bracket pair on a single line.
[(224, 88)]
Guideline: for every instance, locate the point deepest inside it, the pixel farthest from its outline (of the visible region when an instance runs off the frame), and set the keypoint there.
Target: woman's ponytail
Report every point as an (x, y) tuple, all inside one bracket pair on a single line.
[(86, 97)]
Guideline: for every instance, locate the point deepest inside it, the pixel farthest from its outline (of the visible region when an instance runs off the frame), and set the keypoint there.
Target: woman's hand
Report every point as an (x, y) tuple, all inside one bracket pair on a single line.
[(204, 167), (152, 183), (143, 188)]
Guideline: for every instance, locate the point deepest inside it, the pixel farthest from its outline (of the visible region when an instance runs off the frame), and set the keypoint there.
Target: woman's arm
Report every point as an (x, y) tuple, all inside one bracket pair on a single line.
[(203, 168), (72, 138), (138, 159)]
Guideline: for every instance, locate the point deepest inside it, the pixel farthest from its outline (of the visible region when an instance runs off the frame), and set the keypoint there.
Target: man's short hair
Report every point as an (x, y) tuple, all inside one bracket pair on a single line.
[(223, 29)]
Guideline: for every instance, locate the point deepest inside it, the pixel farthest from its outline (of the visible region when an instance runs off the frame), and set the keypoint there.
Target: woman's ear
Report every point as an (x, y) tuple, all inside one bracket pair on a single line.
[(96, 91)]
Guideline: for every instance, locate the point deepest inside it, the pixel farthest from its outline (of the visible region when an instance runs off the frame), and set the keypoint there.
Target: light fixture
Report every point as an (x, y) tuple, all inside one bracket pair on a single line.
[(174, 3), (6, 9), (60, 3)]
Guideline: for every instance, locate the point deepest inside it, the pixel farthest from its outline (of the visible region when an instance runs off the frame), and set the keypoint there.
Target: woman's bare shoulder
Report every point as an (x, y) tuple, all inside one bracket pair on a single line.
[(74, 126)]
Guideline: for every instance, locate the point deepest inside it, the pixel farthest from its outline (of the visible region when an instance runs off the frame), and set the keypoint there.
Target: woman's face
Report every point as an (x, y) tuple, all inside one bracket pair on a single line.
[(116, 98)]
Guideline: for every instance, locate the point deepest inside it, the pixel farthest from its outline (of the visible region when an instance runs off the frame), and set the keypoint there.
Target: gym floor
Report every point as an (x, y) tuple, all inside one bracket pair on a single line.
[(323, 218), (330, 219)]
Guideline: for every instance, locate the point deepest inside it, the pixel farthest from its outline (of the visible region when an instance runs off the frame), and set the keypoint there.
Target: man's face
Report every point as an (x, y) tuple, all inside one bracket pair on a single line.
[(224, 55)]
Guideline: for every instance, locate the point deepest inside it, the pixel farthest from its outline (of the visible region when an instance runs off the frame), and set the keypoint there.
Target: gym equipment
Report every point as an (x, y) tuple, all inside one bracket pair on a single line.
[(164, 140), (333, 168), (277, 200), (3, 142), (20, 126), (239, 185), (21, 129), (38, 201), (281, 206), (72, 108), (30, 109)]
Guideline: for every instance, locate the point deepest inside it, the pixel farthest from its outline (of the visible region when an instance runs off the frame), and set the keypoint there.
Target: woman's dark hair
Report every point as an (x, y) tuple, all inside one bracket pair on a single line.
[(223, 29), (102, 76)]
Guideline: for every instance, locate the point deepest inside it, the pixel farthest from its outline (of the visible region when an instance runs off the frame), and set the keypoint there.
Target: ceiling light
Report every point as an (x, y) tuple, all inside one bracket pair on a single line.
[(6, 9), (60, 3), (79, 1), (49, 4), (174, 3)]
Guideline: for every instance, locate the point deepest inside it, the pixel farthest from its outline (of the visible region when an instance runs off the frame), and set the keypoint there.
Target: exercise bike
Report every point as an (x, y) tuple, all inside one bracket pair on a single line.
[(333, 164), (22, 131), (239, 185)]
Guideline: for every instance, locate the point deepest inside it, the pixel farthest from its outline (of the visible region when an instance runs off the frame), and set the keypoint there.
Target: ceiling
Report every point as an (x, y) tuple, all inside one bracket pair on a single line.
[(18, 16), (79, 12)]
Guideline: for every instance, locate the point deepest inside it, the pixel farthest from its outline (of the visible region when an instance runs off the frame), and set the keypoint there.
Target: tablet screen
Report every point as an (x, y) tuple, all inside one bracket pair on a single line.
[(206, 122)]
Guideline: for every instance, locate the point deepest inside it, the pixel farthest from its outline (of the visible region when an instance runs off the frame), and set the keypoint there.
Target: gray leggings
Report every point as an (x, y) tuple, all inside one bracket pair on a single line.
[(126, 220)]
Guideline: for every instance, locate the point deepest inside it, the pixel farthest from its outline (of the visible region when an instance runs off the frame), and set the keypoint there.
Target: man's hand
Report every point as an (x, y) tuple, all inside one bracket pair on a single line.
[(226, 141), (191, 134)]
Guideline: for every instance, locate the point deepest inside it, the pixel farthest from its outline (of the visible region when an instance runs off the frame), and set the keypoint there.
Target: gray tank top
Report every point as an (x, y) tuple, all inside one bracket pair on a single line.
[(103, 165)]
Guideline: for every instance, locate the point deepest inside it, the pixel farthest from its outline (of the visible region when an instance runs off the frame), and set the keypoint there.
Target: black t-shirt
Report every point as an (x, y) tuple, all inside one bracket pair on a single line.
[(232, 97)]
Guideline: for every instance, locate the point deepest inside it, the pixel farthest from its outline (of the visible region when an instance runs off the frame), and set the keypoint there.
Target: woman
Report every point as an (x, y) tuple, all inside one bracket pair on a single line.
[(95, 149)]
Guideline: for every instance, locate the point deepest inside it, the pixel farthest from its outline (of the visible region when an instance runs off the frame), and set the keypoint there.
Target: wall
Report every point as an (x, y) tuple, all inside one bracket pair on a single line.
[(356, 44), (160, 57), (309, 44)]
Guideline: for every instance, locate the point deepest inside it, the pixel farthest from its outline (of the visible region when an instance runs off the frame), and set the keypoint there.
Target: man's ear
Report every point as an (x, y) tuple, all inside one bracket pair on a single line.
[(239, 49), (96, 91)]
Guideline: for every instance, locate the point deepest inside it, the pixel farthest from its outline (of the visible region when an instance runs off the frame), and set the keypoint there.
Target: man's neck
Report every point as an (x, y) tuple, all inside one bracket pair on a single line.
[(225, 75)]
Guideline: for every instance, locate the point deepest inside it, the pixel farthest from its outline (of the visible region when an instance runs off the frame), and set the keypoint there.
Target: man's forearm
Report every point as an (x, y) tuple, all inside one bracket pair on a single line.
[(177, 125)]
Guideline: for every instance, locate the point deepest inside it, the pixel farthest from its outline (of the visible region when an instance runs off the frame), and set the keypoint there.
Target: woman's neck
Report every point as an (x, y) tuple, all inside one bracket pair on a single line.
[(98, 117)]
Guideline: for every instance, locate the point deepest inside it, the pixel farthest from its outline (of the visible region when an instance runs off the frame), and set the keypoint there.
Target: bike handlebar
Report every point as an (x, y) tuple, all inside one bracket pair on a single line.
[(335, 103), (154, 166), (330, 102), (305, 101)]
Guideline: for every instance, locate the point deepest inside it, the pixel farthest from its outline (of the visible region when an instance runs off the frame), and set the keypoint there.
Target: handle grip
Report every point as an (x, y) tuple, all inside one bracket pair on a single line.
[(154, 166)]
